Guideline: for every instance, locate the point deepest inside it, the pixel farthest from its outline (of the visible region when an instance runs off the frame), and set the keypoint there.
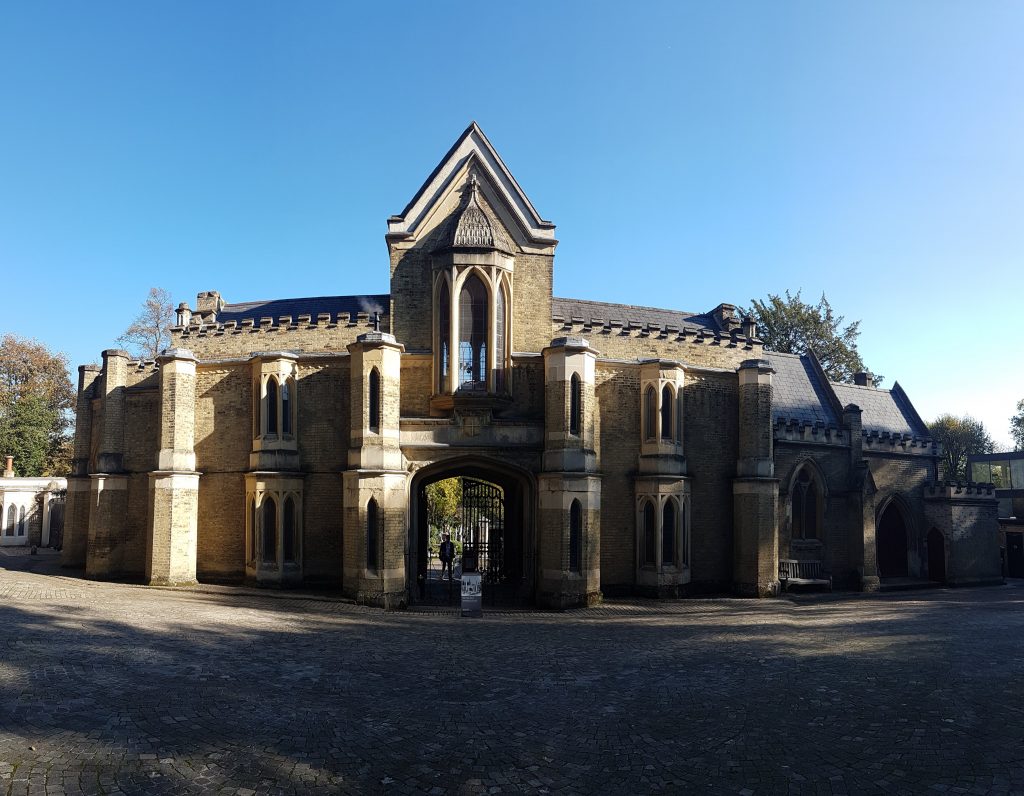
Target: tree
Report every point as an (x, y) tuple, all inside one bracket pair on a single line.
[(792, 326), (1017, 427), (150, 332), (36, 404), (444, 505), (959, 437)]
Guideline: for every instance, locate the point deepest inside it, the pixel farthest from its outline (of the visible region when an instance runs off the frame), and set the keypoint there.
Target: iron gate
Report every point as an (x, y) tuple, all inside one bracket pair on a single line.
[(483, 528)]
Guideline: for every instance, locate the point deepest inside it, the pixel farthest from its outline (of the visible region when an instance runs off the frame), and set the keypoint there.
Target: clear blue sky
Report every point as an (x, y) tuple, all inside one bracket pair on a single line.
[(689, 154)]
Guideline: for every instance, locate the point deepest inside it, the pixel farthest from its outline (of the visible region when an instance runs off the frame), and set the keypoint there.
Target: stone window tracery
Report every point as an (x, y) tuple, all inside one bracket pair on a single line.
[(666, 412), (650, 535), (472, 348), (288, 530), (575, 536), (662, 533), (575, 404), (473, 325), (805, 506), (372, 533), (650, 414), (269, 540), (668, 533), (273, 542), (374, 400)]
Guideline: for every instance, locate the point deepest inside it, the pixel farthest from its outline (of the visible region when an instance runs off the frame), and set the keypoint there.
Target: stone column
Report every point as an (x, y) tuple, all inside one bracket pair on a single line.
[(109, 484), (76, 513), (755, 488), (174, 486), (376, 471), (861, 503), (570, 475)]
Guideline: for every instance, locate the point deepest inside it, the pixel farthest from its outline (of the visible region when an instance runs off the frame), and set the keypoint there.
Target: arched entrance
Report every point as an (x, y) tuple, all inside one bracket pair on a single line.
[(496, 520), (936, 556), (892, 542)]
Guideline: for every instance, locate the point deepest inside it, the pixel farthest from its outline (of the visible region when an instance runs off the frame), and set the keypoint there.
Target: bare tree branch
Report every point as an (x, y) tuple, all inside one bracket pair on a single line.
[(150, 332)]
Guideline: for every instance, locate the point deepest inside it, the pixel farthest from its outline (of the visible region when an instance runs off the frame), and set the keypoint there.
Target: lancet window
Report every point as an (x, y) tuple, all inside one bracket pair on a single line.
[(805, 507), (472, 348)]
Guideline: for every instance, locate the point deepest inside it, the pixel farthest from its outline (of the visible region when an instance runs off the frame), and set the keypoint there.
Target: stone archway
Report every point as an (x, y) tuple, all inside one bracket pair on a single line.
[(936, 556), (892, 540), (513, 581)]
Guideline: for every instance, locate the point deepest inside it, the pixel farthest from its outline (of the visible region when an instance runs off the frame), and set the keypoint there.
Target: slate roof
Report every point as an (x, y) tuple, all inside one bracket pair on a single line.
[(798, 393), (801, 393), (602, 312), (295, 307), (883, 410)]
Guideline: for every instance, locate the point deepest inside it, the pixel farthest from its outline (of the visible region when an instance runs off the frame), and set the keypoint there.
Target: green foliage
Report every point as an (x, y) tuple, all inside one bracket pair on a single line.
[(35, 407), (792, 326), (959, 437), (444, 503), (1017, 427)]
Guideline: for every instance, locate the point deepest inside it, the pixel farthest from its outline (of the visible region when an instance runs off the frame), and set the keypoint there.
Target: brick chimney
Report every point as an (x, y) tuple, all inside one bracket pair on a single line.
[(9, 467), (864, 378)]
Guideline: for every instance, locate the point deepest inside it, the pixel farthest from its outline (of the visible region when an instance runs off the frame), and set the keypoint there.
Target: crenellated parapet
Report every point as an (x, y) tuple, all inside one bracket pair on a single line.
[(623, 327), (283, 323), (958, 490), (809, 432), (885, 442)]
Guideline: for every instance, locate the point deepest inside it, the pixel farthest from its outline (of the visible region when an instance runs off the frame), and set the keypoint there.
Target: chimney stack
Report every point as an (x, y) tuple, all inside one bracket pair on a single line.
[(9, 467), (864, 378)]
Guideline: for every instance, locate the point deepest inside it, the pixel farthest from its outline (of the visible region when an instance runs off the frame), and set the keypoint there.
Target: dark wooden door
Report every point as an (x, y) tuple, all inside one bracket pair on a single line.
[(1015, 555), (936, 556)]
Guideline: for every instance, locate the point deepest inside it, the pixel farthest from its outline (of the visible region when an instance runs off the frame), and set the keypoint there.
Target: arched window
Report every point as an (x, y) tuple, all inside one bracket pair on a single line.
[(473, 335), (271, 405), (650, 414), (12, 521), (650, 535), (288, 530), (575, 536), (269, 530), (255, 408), (805, 507), (374, 399), (575, 404), (252, 529), (371, 535), (684, 541), (286, 407), (499, 341), (444, 335), (668, 534), (679, 418), (666, 413)]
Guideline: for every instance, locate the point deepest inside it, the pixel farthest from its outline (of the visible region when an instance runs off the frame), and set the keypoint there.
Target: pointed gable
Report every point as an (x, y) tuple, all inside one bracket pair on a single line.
[(473, 154)]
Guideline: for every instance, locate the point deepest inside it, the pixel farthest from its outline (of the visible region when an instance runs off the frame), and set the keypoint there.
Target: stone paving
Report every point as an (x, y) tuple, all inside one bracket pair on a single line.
[(111, 688)]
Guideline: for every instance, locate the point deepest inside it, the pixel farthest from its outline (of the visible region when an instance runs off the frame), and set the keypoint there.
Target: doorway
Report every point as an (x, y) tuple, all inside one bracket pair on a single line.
[(936, 556), (892, 543), (1015, 555), (485, 512)]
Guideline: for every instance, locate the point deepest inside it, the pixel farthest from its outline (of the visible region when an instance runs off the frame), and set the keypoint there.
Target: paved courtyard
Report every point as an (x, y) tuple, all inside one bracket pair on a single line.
[(108, 688)]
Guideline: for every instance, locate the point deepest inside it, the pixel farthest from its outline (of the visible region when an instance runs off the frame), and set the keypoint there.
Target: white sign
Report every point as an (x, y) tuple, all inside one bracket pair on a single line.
[(472, 594)]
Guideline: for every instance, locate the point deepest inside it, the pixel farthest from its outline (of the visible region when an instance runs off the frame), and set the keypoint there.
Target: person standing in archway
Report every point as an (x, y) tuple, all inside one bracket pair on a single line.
[(447, 555)]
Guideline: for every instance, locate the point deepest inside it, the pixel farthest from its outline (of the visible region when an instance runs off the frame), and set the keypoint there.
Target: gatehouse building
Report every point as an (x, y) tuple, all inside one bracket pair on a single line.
[(607, 448)]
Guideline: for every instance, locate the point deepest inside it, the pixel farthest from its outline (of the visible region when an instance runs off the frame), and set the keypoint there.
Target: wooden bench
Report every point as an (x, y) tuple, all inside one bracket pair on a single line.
[(802, 573)]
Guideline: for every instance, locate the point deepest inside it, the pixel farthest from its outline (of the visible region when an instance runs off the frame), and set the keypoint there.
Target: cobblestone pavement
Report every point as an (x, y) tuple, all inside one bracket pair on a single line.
[(108, 688)]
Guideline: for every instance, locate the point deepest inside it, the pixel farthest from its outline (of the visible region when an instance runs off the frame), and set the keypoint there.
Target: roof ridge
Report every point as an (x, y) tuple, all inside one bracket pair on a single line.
[(620, 304), (305, 298)]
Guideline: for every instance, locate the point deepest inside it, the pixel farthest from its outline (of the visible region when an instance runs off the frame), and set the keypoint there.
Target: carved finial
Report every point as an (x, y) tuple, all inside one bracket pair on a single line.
[(376, 321)]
